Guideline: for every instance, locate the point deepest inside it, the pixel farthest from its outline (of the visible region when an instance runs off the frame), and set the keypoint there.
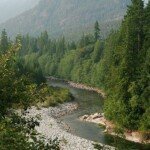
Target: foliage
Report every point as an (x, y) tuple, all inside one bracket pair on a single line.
[(21, 87), (120, 64), (15, 133), (97, 31), (101, 147), (50, 96), (13, 88), (126, 95), (4, 43)]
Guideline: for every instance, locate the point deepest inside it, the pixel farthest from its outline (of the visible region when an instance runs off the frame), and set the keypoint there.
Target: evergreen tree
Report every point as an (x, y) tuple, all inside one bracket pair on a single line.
[(98, 50), (121, 64), (4, 42), (96, 31), (144, 81), (147, 26), (72, 45), (126, 91), (61, 47)]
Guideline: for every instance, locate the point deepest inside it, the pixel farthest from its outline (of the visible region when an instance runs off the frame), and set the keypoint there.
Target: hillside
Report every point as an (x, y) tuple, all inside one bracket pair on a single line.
[(67, 16), (12, 8)]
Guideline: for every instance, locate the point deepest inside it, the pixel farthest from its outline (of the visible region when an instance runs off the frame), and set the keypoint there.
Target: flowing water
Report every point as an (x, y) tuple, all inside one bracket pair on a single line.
[(91, 102)]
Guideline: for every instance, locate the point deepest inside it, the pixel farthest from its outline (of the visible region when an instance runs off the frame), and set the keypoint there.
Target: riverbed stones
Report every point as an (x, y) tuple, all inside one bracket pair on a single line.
[(109, 127), (85, 87), (84, 117), (97, 117), (50, 127)]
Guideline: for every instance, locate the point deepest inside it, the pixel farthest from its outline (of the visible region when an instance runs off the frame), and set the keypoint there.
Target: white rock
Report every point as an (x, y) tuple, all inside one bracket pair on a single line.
[(51, 128)]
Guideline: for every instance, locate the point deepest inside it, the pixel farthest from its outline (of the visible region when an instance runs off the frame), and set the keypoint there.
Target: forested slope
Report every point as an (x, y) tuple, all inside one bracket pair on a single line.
[(120, 65), (68, 17), (21, 88)]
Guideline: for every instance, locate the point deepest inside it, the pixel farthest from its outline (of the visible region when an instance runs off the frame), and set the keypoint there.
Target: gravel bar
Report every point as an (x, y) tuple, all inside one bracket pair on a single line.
[(50, 127)]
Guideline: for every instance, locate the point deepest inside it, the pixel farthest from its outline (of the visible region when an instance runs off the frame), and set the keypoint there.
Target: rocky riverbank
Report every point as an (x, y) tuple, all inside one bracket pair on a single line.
[(79, 86), (85, 87), (99, 118), (51, 127)]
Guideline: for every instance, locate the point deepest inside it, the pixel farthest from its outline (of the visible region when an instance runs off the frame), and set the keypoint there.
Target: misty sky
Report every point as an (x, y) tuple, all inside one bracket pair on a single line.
[(146, 1), (9, 9)]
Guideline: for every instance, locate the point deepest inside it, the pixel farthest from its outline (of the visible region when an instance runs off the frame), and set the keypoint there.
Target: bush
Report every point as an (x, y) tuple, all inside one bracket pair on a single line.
[(18, 133)]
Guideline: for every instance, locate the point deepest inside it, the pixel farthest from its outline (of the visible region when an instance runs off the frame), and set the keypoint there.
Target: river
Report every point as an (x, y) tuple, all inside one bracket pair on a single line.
[(91, 102)]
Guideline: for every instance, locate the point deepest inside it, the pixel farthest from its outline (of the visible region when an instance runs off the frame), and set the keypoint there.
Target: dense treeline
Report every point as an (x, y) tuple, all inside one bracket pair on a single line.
[(20, 80), (130, 87), (119, 64), (20, 88)]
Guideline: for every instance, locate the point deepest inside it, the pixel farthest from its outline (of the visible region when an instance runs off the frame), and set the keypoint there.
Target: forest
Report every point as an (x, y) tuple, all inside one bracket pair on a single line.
[(118, 64), (21, 88)]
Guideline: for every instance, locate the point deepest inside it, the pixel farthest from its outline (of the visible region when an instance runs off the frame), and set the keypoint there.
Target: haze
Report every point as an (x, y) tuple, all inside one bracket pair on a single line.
[(12, 8)]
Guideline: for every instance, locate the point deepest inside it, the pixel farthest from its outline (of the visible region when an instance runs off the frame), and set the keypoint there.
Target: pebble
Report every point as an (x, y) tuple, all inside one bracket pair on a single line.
[(50, 127)]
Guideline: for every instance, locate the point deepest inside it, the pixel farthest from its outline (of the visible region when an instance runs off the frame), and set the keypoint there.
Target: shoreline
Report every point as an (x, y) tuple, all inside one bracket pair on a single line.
[(80, 86), (51, 127), (133, 136), (85, 87)]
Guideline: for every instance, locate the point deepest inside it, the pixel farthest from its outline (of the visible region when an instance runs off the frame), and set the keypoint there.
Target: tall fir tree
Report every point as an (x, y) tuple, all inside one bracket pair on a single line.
[(96, 31), (130, 67), (125, 97), (4, 44), (132, 46)]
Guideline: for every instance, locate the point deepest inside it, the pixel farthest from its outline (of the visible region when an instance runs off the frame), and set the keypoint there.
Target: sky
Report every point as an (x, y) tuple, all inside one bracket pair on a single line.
[(146, 1), (12, 8)]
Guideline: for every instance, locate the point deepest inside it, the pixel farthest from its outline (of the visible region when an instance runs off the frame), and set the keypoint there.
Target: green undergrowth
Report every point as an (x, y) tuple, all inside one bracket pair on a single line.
[(18, 133), (54, 97)]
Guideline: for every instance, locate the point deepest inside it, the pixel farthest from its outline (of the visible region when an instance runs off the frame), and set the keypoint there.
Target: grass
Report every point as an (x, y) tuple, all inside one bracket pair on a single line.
[(56, 96)]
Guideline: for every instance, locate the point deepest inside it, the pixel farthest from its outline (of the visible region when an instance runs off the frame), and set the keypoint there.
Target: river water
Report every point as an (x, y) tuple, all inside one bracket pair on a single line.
[(90, 102)]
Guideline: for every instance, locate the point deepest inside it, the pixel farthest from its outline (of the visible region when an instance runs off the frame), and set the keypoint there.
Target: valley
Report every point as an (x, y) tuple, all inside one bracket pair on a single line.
[(67, 66)]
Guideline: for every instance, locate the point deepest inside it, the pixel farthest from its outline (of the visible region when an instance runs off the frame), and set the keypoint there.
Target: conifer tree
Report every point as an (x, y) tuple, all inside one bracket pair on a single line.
[(96, 31), (126, 93), (132, 46), (4, 42), (147, 26), (98, 50)]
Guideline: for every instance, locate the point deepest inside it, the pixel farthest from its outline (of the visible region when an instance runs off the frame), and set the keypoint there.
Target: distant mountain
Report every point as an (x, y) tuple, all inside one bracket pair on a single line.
[(12, 8), (67, 17)]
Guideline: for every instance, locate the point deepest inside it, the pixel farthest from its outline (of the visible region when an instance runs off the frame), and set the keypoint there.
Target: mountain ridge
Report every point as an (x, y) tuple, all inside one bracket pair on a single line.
[(67, 17), (10, 9)]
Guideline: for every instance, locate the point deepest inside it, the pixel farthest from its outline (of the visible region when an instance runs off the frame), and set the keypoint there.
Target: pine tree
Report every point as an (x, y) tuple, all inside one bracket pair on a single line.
[(125, 96), (144, 81), (98, 51), (4, 44), (96, 31), (147, 26), (132, 30)]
